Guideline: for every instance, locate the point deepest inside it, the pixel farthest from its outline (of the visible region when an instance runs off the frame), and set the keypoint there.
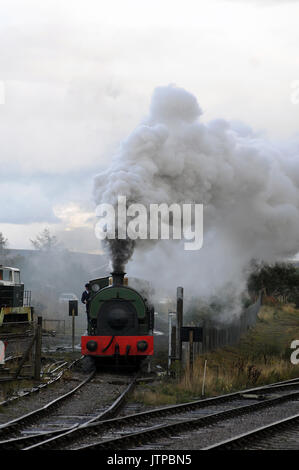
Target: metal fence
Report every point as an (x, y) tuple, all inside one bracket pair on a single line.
[(27, 298)]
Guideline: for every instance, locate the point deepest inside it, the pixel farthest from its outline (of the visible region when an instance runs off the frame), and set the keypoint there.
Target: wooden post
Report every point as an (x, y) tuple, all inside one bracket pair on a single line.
[(73, 329), (73, 312), (204, 334), (179, 313), (204, 379), (173, 343), (191, 353), (38, 348), (170, 340)]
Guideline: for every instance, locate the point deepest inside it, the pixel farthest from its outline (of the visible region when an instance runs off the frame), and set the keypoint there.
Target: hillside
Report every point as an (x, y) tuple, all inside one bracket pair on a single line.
[(262, 356)]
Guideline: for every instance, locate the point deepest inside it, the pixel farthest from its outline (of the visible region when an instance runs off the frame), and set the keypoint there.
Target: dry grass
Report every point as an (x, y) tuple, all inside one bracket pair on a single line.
[(261, 357)]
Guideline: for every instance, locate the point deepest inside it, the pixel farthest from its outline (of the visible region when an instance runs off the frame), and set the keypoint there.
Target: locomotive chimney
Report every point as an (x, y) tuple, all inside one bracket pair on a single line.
[(118, 278)]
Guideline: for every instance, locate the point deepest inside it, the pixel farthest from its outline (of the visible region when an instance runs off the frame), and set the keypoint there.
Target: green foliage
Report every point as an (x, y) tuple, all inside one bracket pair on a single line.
[(198, 310), (45, 241), (277, 279)]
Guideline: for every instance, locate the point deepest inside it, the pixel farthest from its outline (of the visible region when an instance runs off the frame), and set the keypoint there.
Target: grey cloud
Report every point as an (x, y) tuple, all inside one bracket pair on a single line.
[(79, 239), (29, 200), (24, 203)]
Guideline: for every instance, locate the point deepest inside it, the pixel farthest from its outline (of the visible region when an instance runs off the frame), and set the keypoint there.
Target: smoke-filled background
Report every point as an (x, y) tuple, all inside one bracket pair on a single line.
[(249, 187), (76, 78)]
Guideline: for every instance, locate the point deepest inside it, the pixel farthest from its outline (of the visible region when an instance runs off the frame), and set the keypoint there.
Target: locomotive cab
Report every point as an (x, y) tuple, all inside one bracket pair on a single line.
[(9, 276)]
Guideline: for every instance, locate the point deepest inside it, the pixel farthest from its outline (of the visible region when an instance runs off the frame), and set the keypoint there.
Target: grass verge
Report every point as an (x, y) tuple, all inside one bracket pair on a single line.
[(262, 356)]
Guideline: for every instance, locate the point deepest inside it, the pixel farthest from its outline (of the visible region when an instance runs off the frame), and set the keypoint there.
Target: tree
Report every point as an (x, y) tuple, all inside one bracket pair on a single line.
[(45, 241), (278, 279)]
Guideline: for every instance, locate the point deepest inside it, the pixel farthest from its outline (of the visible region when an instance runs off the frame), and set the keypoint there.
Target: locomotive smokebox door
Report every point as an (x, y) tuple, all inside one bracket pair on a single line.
[(73, 308)]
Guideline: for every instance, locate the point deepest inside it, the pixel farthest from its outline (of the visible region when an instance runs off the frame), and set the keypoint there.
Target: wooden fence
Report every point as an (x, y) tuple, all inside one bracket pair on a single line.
[(217, 335), (23, 349)]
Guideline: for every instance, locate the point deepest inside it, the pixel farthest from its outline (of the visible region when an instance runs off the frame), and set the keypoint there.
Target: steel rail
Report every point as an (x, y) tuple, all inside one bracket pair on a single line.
[(12, 358), (40, 386), (148, 434), (264, 431), (50, 438), (49, 369), (17, 423), (98, 424), (69, 433), (179, 408), (21, 442)]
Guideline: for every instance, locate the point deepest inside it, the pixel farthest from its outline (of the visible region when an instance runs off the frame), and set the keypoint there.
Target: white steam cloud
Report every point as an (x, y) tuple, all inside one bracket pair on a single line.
[(249, 187)]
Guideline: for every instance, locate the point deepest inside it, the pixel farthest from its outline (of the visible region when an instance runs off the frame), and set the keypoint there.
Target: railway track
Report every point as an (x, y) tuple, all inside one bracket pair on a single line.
[(155, 431), (33, 416), (283, 434), (57, 374), (21, 427), (141, 428)]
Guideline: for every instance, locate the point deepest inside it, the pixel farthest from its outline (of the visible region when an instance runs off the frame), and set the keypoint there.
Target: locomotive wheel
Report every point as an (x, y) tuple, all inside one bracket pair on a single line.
[(88, 364)]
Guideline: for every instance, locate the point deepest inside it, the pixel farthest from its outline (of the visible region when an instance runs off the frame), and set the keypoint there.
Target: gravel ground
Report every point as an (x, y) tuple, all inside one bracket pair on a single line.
[(93, 398), (86, 403), (38, 399), (283, 440), (131, 408), (204, 437)]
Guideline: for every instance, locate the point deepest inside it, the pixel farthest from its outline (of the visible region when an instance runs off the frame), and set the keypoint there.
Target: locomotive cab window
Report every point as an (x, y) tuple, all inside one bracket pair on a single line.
[(17, 279), (6, 275)]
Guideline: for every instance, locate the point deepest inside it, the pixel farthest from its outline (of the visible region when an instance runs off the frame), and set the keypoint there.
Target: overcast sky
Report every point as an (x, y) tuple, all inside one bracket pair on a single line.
[(77, 76)]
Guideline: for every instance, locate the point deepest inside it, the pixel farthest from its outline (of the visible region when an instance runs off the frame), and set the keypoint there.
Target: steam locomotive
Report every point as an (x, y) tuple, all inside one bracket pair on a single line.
[(121, 323)]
